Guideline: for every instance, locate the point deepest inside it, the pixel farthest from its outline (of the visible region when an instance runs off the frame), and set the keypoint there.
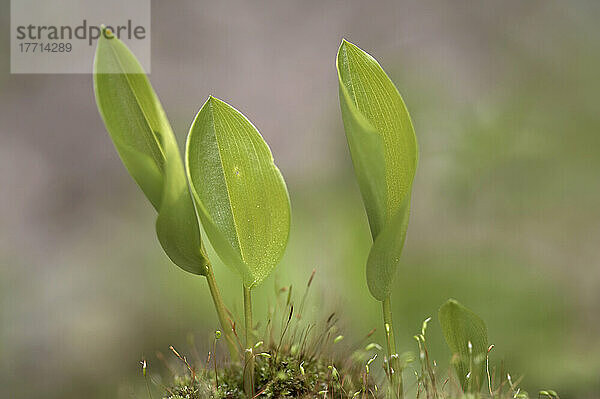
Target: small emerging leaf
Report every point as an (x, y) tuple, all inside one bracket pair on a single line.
[(144, 139), (383, 147), (239, 193), (466, 336)]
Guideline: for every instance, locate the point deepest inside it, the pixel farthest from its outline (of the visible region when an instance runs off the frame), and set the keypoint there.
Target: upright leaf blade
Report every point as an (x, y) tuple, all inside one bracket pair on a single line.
[(239, 193), (466, 336), (383, 147), (145, 142)]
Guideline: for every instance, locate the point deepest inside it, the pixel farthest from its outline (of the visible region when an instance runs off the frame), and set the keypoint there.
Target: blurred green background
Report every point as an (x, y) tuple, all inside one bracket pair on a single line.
[(505, 215)]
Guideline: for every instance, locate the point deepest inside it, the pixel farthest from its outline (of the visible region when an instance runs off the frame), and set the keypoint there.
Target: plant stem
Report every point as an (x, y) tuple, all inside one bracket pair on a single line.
[(221, 313), (249, 358), (393, 360)]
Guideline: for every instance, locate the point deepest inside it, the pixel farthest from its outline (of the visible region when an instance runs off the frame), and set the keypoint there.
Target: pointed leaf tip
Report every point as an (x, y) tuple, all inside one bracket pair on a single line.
[(346, 43)]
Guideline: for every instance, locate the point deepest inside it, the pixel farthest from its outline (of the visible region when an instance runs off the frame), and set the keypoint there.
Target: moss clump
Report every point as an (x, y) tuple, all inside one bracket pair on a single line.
[(282, 376), (309, 360)]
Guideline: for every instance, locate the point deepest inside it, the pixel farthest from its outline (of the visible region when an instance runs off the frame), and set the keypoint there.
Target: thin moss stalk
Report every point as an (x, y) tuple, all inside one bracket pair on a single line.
[(222, 313), (249, 356), (395, 371)]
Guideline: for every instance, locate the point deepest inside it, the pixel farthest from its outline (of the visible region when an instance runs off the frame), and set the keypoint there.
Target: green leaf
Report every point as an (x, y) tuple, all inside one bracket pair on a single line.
[(384, 151), (146, 144), (466, 336), (239, 193)]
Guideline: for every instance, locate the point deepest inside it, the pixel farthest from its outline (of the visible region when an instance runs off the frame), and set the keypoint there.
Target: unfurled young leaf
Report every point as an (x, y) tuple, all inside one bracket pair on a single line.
[(144, 139), (466, 336), (239, 193), (384, 150)]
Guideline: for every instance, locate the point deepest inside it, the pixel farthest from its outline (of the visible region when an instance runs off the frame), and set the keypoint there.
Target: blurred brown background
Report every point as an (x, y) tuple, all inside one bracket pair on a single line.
[(503, 95)]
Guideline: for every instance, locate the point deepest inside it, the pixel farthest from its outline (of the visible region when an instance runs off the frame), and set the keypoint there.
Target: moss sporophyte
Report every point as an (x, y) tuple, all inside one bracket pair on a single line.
[(228, 186)]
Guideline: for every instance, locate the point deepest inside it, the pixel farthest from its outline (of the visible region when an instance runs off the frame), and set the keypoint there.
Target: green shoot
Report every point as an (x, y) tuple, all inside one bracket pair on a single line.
[(241, 199), (237, 191), (466, 336), (384, 153), (143, 137)]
